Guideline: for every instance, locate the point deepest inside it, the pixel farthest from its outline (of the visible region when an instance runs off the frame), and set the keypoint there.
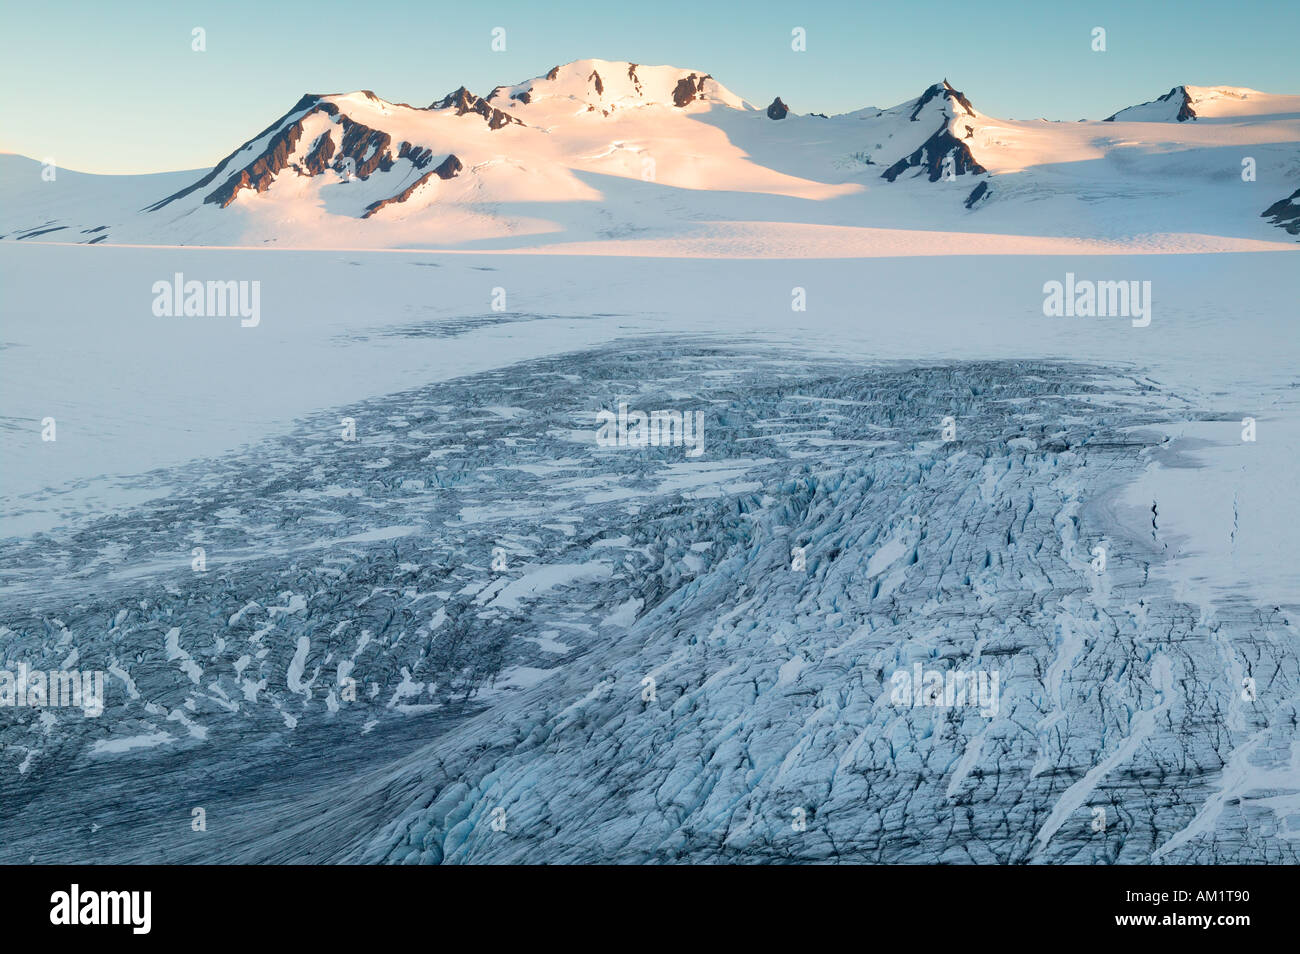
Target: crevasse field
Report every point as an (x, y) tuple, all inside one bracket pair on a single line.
[(943, 576), (523, 690)]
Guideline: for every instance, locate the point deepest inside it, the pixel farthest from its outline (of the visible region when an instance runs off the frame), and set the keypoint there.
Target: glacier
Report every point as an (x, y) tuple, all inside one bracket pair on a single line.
[(563, 652)]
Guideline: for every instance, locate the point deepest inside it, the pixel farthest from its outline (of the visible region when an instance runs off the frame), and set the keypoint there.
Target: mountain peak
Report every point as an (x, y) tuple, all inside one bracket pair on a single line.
[(1175, 105), (609, 85), (451, 165), (952, 101)]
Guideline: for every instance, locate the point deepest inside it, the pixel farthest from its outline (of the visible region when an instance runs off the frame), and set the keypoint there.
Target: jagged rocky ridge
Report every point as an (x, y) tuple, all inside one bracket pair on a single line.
[(1178, 102), (361, 151), (463, 101), (928, 158), (535, 146)]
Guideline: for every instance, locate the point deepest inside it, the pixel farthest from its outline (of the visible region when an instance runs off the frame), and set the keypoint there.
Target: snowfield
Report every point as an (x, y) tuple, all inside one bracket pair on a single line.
[(950, 580)]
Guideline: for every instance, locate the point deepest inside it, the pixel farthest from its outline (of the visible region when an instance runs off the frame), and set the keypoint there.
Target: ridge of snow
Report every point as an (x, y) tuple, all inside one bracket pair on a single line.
[(591, 150), (607, 85)]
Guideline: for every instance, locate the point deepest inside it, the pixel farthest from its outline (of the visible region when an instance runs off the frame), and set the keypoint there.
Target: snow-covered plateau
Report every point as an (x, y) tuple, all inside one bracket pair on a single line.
[(380, 565)]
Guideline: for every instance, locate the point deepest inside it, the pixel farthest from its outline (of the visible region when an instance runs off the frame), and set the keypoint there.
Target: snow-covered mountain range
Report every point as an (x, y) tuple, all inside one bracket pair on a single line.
[(627, 158), (366, 581)]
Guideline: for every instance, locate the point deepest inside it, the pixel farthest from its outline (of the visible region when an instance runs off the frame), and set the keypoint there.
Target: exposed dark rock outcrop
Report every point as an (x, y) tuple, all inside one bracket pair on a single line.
[(595, 78), (778, 109), (555, 71), (981, 191), (366, 147), (447, 169), (463, 101), (959, 97), (930, 154), (261, 172), (1285, 213), (318, 160), (419, 156), (689, 89)]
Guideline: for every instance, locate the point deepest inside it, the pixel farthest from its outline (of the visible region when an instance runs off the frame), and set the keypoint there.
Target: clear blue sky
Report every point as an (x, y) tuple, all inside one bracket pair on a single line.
[(115, 87)]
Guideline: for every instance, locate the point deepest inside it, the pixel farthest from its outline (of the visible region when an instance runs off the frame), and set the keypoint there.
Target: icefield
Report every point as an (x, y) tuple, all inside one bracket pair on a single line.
[(568, 652), (608, 469)]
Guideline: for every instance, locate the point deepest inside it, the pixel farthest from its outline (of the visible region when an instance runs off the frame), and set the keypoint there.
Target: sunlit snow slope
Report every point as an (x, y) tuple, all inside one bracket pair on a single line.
[(607, 157)]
